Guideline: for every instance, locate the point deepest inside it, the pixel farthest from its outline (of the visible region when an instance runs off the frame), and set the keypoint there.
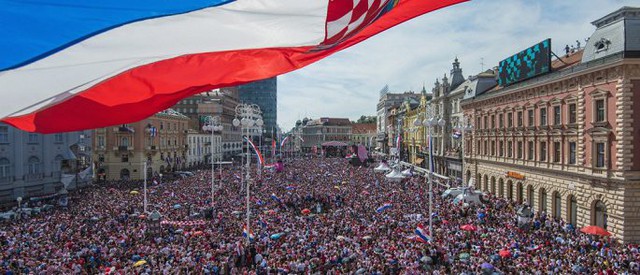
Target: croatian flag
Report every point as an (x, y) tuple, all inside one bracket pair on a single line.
[(245, 232), (283, 142), (383, 207), (255, 149), (75, 64), (422, 234), (398, 139)]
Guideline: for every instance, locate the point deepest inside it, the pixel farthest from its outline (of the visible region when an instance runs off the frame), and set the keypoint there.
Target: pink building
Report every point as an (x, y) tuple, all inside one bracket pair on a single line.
[(565, 142)]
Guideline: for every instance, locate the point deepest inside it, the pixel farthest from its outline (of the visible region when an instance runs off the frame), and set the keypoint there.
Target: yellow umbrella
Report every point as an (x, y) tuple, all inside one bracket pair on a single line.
[(139, 263), (134, 192)]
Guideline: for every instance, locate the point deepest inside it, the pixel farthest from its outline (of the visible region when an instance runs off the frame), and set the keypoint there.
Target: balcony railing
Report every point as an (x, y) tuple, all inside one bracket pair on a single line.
[(33, 177)]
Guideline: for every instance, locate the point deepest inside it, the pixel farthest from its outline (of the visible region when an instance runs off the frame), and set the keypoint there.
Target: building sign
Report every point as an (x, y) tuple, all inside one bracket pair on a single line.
[(515, 175)]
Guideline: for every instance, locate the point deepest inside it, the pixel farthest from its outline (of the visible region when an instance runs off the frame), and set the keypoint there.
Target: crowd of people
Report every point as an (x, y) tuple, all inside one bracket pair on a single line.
[(318, 216)]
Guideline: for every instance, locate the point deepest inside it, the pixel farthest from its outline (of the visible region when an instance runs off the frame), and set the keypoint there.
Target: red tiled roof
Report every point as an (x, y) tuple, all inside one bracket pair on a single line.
[(363, 128)]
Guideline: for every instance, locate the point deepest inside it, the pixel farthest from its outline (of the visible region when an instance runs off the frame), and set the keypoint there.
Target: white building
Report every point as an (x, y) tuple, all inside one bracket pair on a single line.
[(201, 147)]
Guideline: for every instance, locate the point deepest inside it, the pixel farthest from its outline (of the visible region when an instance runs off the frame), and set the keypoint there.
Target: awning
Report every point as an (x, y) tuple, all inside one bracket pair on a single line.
[(419, 160)]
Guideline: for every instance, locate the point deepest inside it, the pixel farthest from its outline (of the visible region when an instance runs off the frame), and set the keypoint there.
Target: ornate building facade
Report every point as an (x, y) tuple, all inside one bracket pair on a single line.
[(564, 142), (160, 141)]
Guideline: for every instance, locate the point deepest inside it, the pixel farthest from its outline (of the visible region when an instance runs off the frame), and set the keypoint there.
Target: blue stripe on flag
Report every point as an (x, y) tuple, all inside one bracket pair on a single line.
[(32, 30)]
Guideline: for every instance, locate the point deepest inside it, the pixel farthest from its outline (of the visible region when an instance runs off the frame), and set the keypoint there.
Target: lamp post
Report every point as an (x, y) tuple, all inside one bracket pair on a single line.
[(212, 124), (463, 125), (430, 121), (250, 119)]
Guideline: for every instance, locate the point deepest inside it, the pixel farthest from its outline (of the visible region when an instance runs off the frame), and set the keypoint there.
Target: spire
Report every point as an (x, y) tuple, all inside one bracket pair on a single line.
[(456, 74)]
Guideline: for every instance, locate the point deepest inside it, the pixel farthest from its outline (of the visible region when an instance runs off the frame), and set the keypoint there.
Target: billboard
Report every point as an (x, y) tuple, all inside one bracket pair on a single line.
[(534, 61)]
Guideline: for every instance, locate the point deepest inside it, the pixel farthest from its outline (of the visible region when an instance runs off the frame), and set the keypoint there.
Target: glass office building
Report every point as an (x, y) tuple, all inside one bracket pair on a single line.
[(263, 93)]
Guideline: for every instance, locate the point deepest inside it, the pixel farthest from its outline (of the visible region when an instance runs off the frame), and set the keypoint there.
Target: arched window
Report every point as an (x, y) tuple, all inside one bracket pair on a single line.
[(557, 205), (124, 141), (33, 166), (5, 168), (486, 183), (543, 200), (599, 214), (510, 190), (493, 185), (124, 174), (501, 188), (520, 195), (530, 200), (572, 211)]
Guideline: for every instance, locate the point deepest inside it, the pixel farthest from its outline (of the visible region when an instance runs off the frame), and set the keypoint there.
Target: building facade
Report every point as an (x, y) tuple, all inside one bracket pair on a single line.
[(33, 165), (315, 132), (203, 148), (160, 141), (263, 93), (565, 142), (364, 133), (387, 102)]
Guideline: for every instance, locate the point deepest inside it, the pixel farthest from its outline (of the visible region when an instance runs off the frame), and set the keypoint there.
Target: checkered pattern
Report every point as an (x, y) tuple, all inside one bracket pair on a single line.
[(347, 17), (184, 223)]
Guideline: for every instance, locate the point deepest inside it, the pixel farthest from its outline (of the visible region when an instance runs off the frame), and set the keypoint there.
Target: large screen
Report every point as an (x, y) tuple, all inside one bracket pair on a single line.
[(526, 64)]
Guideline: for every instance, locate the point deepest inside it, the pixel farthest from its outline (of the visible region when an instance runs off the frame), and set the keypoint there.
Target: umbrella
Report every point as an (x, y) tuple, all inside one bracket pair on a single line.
[(340, 238), (305, 211), (464, 256), (505, 253), (426, 260), (595, 230), (177, 206), (142, 216), (469, 227), (276, 236), (139, 263), (134, 192), (486, 265), (366, 238)]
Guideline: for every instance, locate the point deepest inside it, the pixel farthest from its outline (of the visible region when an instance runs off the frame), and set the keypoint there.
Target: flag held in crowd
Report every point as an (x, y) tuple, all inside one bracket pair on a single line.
[(383, 208), (245, 232), (256, 150), (123, 61), (422, 234)]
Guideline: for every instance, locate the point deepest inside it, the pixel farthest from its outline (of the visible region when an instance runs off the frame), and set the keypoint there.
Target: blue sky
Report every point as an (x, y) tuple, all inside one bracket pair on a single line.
[(421, 50)]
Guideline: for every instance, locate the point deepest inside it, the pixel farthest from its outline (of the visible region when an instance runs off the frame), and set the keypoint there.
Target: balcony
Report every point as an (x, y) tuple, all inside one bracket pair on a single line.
[(152, 148), (6, 179), (123, 148)]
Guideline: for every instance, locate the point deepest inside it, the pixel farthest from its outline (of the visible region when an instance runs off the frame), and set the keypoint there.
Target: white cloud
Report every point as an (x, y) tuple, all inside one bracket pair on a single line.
[(421, 50)]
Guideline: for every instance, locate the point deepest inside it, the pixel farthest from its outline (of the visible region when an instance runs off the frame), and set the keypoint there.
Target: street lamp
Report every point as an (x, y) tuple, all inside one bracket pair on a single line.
[(430, 121), (463, 125), (251, 120), (212, 124)]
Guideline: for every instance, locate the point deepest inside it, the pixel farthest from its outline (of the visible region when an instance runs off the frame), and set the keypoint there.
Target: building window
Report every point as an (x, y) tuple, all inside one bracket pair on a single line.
[(101, 158), (478, 147), (501, 120), (600, 111), (493, 121), (493, 147), (556, 151), (124, 142), (501, 148), (478, 123), (557, 118), (600, 154), (33, 166), (572, 113), (101, 141), (572, 152), (5, 168), (486, 122), (531, 118), (543, 151), (486, 147), (543, 116), (4, 134), (33, 138), (520, 119), (520, 150), (510, 120), (531, 150), (510, 149), (125, 158), (57, 138)]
